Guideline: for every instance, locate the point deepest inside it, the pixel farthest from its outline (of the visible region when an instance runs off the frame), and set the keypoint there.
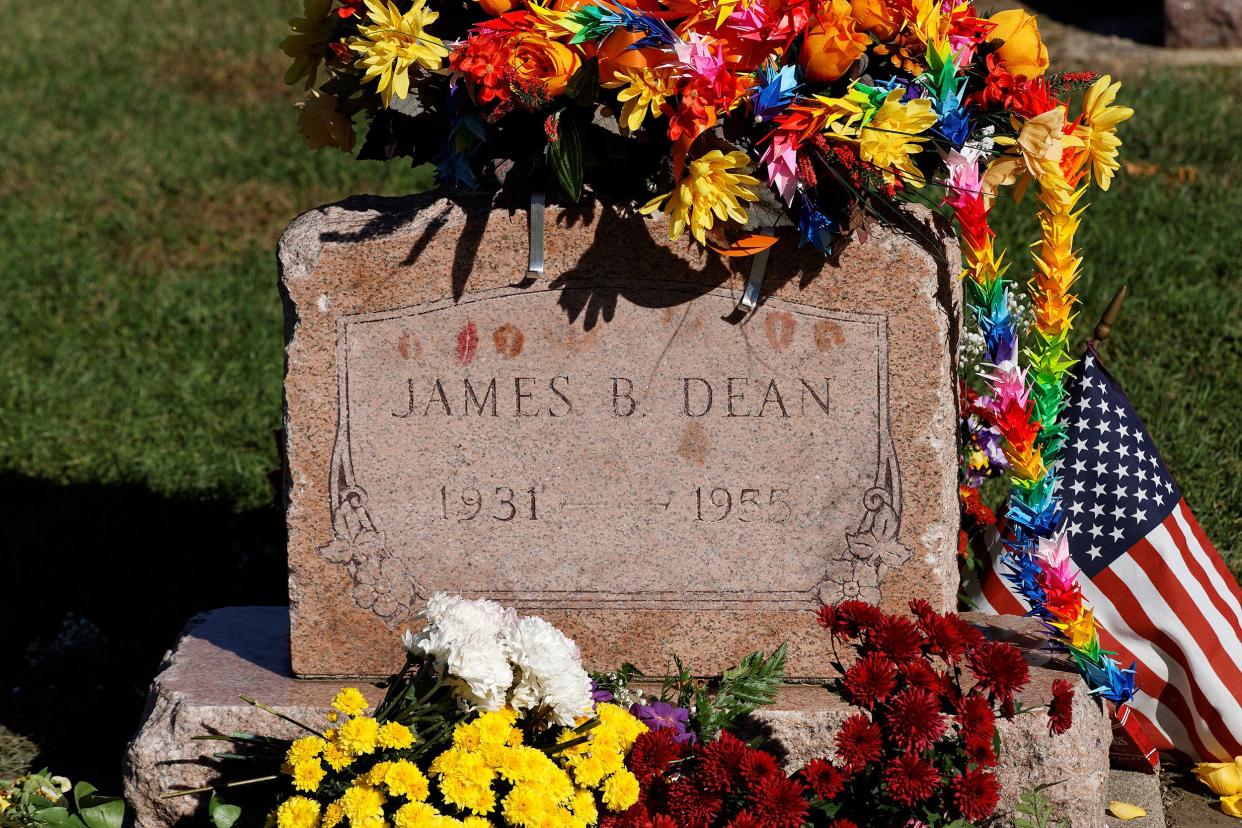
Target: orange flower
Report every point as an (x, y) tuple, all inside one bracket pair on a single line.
[(537, 58), (615, 54), (877, 17), (832, 43), (1023, 52)]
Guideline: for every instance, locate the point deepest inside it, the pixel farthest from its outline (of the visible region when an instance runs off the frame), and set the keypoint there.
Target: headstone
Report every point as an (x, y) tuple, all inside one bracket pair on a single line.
[(1204, 24), (608, 444)]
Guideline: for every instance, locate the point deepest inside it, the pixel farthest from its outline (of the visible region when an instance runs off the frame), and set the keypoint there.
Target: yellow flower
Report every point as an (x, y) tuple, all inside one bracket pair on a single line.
[(465, 780), (394, 43), (405, 779), (467, 737), (307, 775), (332, 815), (359, 736), (364, 806), (395, 735), (337, 757), (536, 57), (620, 723), (589, 771), (1231, 805), (476, 822), (304, 749), (332, 714), (308, 43), (375, 776), (710, 190), (1022, 51), (1224, 778), (417, 815), (321, 125), (496, 726), (583, 807), (527, 806), (297, 812), (893, 137), (620, 791), (350, 701), (1098, 129), (646, 89)]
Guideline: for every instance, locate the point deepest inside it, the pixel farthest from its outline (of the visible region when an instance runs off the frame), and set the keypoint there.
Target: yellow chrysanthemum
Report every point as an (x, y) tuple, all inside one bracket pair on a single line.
[(465, 780), (476, 822), (467, 736), (309, 41), (375, 776), (527, 806), (620, 791), (359, 736), (892, 137), (337, 757), (332, 815), (711, 189), (364, 806), (297, 812), (496, 726), (583, 807), (621, 723), (1098, 128), (589, 771), (350, 701), (405, 779), (396, 736), (645, 91), (395, 42), (419, 815), (307, 775), (304, 749)]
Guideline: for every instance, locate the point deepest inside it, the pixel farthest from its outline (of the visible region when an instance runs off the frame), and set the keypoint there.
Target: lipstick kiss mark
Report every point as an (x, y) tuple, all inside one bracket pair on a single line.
[(467, 344)]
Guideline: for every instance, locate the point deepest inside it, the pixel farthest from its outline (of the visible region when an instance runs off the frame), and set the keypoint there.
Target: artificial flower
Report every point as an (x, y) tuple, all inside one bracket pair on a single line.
[(1231, 805), (308, 43), (833, 42), (393, 43), (1098, 128), (1022, 51), (645, 90), (538, 58), (1223, 778), (713, 188), (892, 137)]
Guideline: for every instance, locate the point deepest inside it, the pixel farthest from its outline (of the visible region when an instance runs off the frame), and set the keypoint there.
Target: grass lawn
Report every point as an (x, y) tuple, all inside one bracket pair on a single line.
[(151, 160)]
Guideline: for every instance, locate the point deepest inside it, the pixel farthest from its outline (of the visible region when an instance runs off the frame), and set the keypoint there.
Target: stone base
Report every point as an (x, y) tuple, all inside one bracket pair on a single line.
[(246, 650), (1203, 24)]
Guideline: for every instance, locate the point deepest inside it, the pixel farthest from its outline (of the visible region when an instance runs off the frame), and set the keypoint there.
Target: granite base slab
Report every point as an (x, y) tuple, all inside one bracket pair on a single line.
[(235, 650)]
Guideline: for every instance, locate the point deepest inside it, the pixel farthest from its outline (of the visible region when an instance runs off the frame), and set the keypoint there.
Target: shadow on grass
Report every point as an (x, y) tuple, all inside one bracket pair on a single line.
[(98, 580)]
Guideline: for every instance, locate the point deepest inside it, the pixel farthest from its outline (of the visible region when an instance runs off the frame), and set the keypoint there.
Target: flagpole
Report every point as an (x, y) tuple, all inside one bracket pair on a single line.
[(1105, 326)]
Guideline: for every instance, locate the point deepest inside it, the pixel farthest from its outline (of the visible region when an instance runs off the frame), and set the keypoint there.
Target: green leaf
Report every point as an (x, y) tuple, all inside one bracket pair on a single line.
[(565, 154), (82, 791), (223, 815), (58, 817), (583, 87), (108, 813)]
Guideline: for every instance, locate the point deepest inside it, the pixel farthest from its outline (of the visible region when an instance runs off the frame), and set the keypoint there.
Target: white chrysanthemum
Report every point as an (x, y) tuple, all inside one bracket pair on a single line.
[(549, 671), (466, 640)]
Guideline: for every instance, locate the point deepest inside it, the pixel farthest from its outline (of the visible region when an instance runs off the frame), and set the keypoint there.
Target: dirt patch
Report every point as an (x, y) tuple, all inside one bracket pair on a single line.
[(1188, 804)]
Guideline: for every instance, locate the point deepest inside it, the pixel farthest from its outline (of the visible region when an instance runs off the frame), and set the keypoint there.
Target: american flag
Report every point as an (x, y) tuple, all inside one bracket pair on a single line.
[(1162, 596)]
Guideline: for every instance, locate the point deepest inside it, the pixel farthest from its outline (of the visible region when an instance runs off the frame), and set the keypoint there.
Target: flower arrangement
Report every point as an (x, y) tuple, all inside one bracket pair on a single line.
[(493, 722)]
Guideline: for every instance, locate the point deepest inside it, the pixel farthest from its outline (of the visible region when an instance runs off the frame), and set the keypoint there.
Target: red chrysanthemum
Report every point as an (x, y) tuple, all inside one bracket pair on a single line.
[(897, 638), (948, 636), (999, 669), (870, 680), (975, 718), (720, 762), (653, 752), (745, 819), (662, 821), (849, 619), (910, 779), (843, 823), (914, 719), (975, 794), (636, 816), (980, 751), (1061, 708), (921, 674), (825, 779), (692, 807), (758, 766), (779, 802), (859, 742)]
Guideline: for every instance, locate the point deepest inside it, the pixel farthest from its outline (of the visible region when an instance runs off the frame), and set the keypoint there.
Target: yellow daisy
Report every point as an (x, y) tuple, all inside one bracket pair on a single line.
[(645, 90), (713, 188), (395, 42), (892, 137), (1098, 129)]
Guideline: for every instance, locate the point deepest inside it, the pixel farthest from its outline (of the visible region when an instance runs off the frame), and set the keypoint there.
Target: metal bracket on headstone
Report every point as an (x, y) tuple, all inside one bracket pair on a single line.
[(754, 282), (535, 262)]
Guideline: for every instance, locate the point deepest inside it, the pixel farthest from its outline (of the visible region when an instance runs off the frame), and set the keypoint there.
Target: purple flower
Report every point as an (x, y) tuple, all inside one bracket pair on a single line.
[(599, 694), (660, 715)]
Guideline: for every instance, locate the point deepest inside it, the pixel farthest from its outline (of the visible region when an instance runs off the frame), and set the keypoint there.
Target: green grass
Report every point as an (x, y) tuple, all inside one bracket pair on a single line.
[(150, 160)]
